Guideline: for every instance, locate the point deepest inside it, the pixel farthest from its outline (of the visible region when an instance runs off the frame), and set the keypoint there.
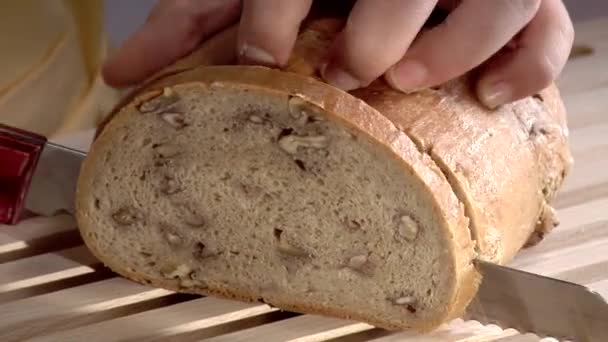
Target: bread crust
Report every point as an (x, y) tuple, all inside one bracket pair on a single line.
[(443, 136)]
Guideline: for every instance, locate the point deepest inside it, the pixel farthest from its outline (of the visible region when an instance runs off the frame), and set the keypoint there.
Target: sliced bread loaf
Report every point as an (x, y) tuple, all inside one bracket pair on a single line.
[(260, 184)]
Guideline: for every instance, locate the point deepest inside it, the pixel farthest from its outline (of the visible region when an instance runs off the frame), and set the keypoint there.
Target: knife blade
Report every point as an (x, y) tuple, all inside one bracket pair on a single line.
[(53, 183), (544, 306), (507, 297)]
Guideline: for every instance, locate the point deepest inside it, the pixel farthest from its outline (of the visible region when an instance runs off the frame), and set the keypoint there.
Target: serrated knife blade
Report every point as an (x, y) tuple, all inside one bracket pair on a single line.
[(531, 303), (42, 176)]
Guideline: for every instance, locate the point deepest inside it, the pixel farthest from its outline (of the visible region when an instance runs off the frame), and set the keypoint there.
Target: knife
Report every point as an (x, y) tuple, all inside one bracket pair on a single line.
[(41, 176), (531, 303), (35, 174)]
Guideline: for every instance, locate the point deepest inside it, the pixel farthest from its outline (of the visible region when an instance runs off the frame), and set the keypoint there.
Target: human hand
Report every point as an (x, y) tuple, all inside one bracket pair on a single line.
[(520, 46)]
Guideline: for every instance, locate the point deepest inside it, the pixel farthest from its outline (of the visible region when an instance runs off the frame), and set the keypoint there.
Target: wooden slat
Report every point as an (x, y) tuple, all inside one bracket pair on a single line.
[(586, 109), (588, 275), (46, 268), (584, 86), (37, 235), (585, 173), (34, 228), (591, 138), (304, 328), (579, 225), (582, 195), (70, 308), (15, 272), (555, 262), (580, 241), (588, 72), (164, 322), (582, 215)]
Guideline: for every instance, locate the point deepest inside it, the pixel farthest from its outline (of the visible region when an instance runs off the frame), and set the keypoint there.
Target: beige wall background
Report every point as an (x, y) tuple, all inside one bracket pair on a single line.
[(122, 17)]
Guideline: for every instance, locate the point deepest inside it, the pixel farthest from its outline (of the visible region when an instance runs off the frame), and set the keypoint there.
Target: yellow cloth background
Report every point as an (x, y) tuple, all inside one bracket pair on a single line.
[(50, 55)]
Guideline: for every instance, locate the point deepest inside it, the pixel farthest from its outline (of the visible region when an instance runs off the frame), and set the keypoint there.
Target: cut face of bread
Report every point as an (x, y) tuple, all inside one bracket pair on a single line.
[(229, 181)]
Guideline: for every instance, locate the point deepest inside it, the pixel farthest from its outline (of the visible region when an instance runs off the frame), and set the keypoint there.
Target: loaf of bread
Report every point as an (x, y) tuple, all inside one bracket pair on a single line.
[(270, 185)]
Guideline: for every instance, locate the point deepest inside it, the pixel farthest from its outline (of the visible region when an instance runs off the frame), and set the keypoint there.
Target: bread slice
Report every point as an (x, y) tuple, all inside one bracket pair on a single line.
[(504, 165), (259, 184)]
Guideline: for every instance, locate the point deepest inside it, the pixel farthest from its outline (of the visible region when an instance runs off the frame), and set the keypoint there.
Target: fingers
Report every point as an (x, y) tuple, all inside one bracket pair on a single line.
[(376, 36), (538, 59), (268, 30), (173, 29), (471, 34)]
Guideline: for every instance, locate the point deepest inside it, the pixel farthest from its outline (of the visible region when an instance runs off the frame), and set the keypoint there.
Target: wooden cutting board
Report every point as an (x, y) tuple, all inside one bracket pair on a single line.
[(53, 289)]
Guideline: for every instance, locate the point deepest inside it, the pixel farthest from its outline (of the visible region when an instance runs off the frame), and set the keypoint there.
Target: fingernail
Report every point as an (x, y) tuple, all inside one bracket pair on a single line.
[(253, 54), (495, 94), (407, 76), (340, 78)]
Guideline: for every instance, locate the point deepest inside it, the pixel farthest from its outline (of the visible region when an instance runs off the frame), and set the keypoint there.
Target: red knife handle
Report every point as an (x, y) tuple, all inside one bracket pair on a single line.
[(19, 154)]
